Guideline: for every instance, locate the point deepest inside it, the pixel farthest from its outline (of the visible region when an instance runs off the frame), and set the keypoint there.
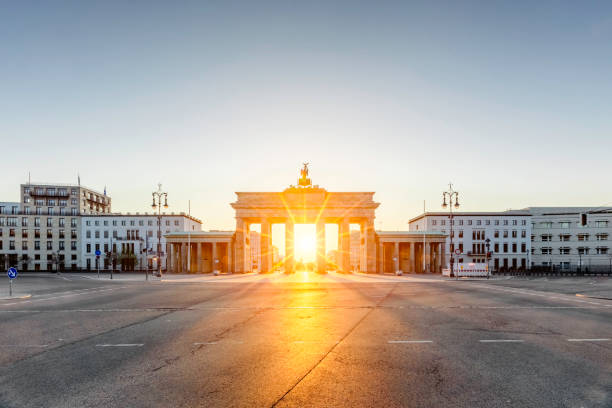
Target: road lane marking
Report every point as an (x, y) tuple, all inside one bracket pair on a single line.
[(588, 339), (501, 341), (409, 341), (24, 345), (121, 345), (70, 294)]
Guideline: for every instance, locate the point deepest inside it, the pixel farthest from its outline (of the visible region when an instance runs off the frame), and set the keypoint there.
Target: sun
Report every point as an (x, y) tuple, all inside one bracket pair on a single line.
[(305, 243)]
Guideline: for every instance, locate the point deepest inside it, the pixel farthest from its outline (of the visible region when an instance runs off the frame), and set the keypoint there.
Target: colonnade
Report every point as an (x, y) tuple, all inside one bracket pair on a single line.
[(205, 257), (411, 257)]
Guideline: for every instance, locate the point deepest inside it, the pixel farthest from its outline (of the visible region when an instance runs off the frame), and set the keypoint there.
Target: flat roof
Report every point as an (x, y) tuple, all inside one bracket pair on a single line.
[(510, 213)]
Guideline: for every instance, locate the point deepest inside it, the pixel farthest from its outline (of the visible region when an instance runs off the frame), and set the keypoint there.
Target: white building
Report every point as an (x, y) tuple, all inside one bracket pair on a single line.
[(571, 237), (132, 238), (508, 232)]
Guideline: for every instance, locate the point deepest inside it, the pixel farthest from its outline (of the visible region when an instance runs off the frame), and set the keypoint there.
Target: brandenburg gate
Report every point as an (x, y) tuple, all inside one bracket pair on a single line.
[(305, 204)]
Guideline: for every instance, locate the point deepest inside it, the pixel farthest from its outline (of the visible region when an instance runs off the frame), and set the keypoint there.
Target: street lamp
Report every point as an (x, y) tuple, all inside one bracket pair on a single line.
[(157, 205), (450, 194), (488, 245)]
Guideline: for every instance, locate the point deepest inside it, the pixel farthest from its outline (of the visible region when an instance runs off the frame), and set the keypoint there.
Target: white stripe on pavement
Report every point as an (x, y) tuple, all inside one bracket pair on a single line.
[(588, 339), (501, 341), (408, 341), (121, 345), (23, 345)]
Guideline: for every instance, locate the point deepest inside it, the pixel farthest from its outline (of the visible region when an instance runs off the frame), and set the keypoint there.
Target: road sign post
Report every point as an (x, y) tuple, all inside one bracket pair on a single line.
[(12, 274), (98, 261)]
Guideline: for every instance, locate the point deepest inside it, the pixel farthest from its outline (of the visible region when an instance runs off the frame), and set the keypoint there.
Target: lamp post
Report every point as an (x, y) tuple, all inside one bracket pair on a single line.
[(157, 205), (488, 245), (451, 195)]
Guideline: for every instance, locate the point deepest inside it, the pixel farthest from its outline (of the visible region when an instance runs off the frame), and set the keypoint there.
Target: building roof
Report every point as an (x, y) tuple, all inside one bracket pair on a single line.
[(181, 214), (411, 233), (509, 213)]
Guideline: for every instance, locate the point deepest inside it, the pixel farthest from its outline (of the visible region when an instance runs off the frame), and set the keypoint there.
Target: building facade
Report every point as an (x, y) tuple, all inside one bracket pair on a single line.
[(571, 237), (41, 232), (129, 241), (509, 234)]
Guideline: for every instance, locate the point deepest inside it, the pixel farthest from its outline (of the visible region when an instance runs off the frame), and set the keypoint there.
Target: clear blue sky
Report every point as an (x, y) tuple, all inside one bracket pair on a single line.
[(512, 101)]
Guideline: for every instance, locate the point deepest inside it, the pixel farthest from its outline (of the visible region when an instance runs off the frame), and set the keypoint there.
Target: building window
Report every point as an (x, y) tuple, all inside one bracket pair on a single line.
[(61, 245), (602, 237), (514, 222), (523, 234), (11, 245), (24, 245), (37, 245), (505, 247), (469, 222), (546, 251), (546, 237), (514, 247), (73, 245), (73, 222), (505, 222), (523, 247), (88, 248), (523, 222), (460, 222), (433, 222), (583, 250), (602, 250), (106, 234), (49, 234), (49, 222), (564, 237), (36, 233), (505, 233), (583, 237), (514, 234), (97, 234), (564, 251), (546, 224), (563, 224), (601, 224), (149, 223), (49, 245), (88, 234), (61, 234)]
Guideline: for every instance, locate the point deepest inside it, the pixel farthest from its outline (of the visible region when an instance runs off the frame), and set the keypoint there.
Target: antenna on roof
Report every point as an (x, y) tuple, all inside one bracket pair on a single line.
[(29, 178), (79, 179)]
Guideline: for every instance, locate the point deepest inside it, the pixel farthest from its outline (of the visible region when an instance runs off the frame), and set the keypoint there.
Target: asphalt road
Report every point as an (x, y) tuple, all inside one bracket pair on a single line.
[(306, 340)]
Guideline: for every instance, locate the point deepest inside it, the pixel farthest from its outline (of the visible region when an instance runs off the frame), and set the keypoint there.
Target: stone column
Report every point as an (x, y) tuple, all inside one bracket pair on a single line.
[(289, 246), (215, 255), (427, 256), (396, 256), (240, 248), (413, 257), (199, 257), (168, 257), (345, 247), (265, 246), (321, 258), (183, 257), (370, 246), (381, 257)]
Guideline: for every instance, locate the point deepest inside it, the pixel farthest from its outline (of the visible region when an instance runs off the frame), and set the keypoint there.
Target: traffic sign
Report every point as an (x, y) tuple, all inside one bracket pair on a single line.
[(98, 253), (457, 251), (12, 273)]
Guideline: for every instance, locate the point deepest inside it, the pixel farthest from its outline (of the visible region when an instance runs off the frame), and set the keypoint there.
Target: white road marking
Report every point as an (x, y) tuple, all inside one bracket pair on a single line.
[(501, 341), (121, 345), (409, 341), (70, 294), (23, 345), (588, 339)]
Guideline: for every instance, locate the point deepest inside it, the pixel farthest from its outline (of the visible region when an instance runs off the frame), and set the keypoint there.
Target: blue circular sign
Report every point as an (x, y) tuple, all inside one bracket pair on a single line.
[(12, 273), (98, 253)]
